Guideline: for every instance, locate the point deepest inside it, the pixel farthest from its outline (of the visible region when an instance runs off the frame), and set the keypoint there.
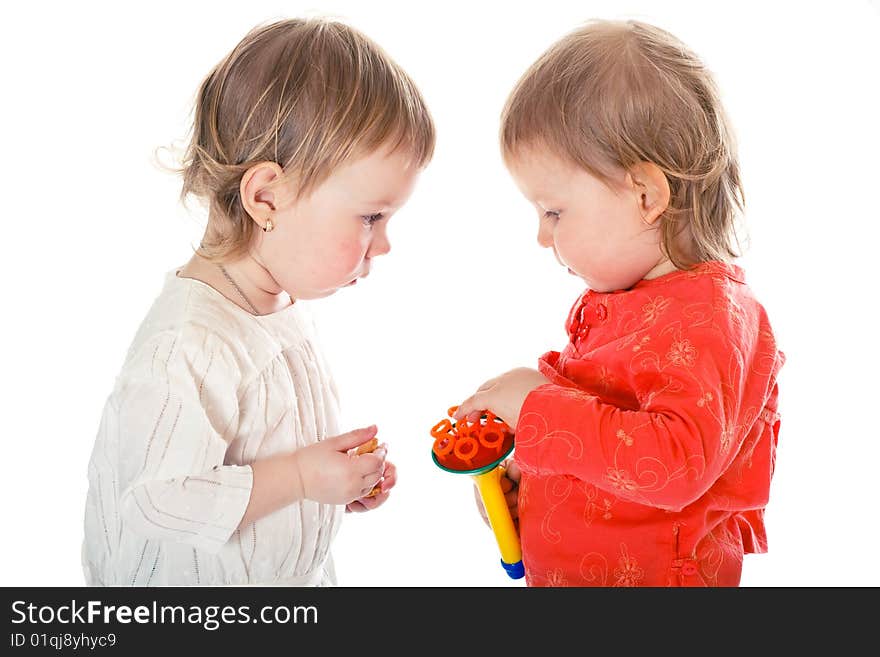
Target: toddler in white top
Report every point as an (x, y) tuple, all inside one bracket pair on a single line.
[(219, 459)]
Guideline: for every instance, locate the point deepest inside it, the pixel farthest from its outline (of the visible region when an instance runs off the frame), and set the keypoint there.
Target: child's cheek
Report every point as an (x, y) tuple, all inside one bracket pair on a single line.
[(563, 242), (349, 254)]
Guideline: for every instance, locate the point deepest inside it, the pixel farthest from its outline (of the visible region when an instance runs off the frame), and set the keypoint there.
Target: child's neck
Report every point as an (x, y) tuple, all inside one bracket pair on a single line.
[(251, 287), (662, 268)]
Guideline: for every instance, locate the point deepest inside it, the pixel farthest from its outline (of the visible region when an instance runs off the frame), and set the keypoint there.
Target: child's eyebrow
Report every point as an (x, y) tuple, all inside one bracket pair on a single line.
[(546, 201)]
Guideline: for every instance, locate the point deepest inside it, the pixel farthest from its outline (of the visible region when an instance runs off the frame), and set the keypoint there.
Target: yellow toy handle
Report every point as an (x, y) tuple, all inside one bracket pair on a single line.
[(489, 485)]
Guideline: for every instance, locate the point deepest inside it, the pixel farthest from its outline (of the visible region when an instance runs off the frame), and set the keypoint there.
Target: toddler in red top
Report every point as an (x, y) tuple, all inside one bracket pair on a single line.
[(645, 448)]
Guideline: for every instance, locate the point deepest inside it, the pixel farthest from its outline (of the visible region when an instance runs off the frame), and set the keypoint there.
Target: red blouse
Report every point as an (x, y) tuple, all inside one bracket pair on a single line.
[(647, 461)]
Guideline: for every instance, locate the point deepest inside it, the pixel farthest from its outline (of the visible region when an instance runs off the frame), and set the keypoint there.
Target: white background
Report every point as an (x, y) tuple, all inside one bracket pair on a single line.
[(90, 225)]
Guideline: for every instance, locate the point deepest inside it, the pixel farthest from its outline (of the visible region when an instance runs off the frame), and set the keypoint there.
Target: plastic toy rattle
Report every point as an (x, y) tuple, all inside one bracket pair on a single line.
[(477, 449)]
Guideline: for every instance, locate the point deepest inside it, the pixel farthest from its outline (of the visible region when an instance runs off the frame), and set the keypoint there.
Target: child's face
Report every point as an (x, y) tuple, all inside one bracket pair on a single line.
[(596, 231), (328, 240)]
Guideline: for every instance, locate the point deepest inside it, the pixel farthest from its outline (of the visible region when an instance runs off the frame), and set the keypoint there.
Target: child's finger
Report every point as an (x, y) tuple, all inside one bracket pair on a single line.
[(389, 476), (465, 407), (370, 464), (346, 441), (471, 408), (370, 502)]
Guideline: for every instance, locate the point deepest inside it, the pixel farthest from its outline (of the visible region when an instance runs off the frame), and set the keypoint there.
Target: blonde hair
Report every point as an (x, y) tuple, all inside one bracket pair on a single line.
[(612, 94), (307, 94)]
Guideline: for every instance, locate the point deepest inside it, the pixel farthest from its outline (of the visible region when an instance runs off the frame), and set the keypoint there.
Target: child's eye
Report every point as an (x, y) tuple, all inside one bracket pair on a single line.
[(551, 214), (370, 219)]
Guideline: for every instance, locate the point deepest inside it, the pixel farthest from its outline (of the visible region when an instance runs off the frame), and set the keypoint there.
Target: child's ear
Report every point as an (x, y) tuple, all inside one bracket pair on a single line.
[(257, 197), (651, 188)]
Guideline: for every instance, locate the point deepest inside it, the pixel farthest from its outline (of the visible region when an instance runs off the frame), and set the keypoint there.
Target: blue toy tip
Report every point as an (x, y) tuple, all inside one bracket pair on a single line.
[(514, 570)]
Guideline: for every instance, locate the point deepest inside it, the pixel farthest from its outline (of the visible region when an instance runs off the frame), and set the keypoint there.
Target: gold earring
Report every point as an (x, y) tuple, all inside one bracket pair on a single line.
[(269, 226)]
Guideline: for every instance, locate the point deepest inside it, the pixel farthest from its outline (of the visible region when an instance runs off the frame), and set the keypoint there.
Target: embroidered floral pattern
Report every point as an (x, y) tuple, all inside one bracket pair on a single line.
[(594, 507), (556, 577), (627, 572), (726, 439), (620, 480), (645, 339), (682, 353), (654, 308)]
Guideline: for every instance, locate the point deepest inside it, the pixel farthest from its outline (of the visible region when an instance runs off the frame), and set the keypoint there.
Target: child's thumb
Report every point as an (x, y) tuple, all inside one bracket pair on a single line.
[(513, 472), (344, 442)]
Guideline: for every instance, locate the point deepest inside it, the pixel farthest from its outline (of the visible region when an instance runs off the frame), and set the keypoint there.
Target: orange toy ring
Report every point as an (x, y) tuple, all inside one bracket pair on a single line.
[(491, 431), (441, 429), (443, 445), (466, 441), (491, 418), (464, 429)]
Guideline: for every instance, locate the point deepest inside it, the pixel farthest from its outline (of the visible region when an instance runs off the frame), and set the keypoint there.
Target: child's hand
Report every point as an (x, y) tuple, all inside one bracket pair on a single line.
[(326, 472), (510, 488), (504, 395), (368, 503)]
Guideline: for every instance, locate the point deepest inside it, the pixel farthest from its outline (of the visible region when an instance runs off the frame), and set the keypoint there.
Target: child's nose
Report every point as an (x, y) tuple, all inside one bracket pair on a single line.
[(545, 235), (380, 245)]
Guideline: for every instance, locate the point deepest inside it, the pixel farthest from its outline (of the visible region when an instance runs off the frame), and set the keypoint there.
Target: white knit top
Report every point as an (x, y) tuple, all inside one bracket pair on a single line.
[(206, 389)]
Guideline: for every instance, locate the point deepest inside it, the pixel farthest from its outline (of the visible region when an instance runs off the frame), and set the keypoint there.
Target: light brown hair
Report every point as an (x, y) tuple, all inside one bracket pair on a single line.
[(308, 94), (612, 94)]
